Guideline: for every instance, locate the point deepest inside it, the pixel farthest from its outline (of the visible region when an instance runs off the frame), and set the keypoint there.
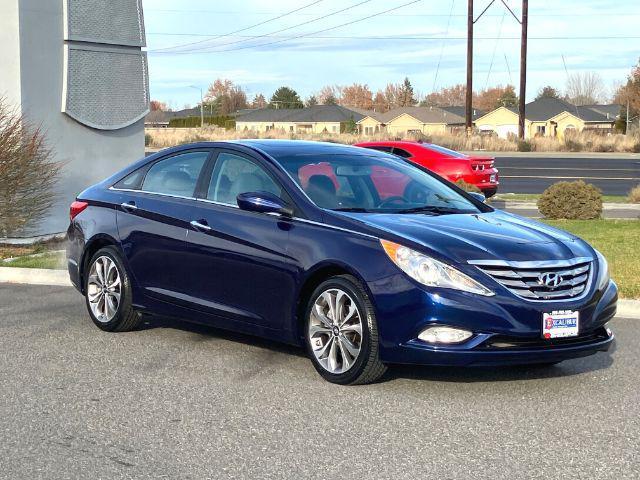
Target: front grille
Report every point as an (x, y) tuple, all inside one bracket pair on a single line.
[(519, 343), (530, 280)]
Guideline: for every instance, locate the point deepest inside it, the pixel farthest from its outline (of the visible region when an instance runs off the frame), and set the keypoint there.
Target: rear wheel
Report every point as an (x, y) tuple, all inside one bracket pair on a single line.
[(342, 333), (108, 292)]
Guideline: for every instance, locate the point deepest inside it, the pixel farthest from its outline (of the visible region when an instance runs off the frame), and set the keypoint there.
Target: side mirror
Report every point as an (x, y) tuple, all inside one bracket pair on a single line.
[(263, 202), (478, 196)]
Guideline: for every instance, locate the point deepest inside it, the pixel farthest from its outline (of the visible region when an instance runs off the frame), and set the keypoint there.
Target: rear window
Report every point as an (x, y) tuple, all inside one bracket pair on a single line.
[(443, 150)]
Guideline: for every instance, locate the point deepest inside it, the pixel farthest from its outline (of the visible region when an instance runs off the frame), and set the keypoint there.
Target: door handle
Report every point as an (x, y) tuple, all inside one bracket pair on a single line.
[(129, 206), (198, 225)]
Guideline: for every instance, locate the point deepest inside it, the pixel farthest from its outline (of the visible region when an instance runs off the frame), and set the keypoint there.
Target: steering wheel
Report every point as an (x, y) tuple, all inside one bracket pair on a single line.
[(390, 200)]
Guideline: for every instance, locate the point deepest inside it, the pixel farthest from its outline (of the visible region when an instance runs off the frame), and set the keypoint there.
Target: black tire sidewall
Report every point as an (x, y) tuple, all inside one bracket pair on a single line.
[(355, 292), (125, 291)]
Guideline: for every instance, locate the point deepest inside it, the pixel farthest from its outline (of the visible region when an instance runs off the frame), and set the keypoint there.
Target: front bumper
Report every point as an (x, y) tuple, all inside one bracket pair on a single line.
[(506, 330), (415, 352)]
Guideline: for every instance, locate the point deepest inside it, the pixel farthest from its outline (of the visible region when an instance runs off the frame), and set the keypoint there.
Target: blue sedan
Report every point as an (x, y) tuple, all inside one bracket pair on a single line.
[(357, 255)]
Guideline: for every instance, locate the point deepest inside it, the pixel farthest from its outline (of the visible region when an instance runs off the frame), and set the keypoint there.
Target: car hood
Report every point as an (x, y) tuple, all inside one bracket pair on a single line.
[(485, 236)]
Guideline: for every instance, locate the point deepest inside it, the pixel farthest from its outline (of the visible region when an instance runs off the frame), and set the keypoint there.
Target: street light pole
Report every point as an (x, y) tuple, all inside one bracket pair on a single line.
[(201, 105)]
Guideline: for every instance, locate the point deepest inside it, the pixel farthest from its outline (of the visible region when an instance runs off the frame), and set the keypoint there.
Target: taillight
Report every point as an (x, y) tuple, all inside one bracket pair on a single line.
[(75, 208)]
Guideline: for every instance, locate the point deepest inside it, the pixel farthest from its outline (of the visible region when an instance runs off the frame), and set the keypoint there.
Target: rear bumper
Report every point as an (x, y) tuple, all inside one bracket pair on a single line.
[(422, 354)]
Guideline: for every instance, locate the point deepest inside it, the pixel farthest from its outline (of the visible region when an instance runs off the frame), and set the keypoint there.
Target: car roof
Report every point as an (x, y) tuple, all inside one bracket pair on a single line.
[(279, 148)]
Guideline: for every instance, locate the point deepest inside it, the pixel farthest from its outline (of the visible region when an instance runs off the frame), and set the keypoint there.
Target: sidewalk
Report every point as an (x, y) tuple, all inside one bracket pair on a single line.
[(625, 211)]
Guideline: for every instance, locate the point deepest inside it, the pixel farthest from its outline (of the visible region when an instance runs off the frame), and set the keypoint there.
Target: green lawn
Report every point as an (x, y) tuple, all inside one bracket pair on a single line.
[(49, 260), (533, 197), (618, 240)]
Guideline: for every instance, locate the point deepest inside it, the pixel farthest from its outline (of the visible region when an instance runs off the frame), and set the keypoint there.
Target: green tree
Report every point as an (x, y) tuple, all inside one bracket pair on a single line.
[(285, 97), (508, 98), (548, 92), (406, 96), (312, 101)]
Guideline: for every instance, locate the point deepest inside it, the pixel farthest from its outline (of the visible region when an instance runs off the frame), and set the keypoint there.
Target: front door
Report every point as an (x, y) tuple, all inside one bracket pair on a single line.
[(238, 262)]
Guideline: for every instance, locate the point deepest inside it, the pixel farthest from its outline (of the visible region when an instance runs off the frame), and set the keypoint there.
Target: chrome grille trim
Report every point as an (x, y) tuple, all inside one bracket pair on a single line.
[(521, 278)]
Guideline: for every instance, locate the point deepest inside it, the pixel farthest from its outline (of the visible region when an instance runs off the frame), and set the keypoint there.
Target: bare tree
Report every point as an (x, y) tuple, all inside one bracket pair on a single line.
[(27, 174), (585, 88), (357, 95)]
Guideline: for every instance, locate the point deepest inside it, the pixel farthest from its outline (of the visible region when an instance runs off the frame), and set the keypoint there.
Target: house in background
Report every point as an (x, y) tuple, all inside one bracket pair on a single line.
[(405, 121), (549, 117), (316, 119)]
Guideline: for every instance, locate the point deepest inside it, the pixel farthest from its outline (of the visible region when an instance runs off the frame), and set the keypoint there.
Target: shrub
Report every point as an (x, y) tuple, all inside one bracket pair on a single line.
[(634, 195), (148, 139), (27, 175), (524, 146), (571, 200), (468, 187), (194, 122), (572, 144)]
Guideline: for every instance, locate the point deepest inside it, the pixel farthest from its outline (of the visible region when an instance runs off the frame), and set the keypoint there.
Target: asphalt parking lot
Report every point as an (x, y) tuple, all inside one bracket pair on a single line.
[(180, 401)]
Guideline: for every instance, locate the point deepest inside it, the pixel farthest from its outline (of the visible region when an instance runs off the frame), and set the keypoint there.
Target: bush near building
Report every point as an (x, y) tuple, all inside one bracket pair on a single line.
[(571, 201), (28, 176)]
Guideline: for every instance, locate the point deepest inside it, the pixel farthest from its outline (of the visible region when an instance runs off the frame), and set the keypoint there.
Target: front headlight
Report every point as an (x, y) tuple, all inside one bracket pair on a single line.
[(429, 271), (603, 271)]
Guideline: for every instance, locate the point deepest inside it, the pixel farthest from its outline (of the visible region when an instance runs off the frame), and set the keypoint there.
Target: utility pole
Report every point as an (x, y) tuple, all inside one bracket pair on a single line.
[(469, 93), (626, 128), (523, 68)]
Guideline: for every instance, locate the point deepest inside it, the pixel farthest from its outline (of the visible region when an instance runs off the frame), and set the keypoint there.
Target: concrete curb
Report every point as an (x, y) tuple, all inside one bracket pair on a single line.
[(34, 276), (39, 276), (514, 204)]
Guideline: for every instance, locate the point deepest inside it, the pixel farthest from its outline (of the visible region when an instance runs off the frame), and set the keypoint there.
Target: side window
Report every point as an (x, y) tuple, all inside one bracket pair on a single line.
[(401, 153), (131, 181), (177, 175), (234, 174)]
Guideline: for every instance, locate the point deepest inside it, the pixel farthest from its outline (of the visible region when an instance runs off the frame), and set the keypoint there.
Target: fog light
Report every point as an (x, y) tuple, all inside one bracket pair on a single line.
[(444, 335)]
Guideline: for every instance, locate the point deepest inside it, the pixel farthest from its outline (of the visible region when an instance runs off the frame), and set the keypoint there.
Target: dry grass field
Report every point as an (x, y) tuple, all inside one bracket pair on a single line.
[(167, 137)]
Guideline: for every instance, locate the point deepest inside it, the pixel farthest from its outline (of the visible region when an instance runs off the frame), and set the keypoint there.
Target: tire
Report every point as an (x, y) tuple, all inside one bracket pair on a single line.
[(330, 349), (119, 316)]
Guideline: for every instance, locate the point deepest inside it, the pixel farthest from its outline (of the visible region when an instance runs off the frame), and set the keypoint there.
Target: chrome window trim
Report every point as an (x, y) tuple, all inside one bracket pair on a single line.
[(204, 200)]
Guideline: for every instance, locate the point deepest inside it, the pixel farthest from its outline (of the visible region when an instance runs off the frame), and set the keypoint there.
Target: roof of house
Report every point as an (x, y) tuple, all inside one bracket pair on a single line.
[(543, 109), (461, 111), (422, 114), (317, 113), (612, 110)]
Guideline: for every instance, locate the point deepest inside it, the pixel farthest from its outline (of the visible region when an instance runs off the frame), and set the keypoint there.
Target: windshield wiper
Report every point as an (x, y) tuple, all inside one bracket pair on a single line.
[(434, 209)]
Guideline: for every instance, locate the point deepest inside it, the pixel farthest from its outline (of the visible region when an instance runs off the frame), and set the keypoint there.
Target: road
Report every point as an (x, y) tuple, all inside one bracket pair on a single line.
[(614, 176), (180, 401)]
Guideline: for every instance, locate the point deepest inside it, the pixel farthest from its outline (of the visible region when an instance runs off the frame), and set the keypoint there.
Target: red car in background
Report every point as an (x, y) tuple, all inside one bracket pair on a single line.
[(454, 166)]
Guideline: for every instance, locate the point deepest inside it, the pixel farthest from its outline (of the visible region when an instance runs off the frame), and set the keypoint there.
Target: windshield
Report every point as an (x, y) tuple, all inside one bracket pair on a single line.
[(372, 183)]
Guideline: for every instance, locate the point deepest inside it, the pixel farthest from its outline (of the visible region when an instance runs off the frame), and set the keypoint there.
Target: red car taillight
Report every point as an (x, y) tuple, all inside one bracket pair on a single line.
[(75, 208)]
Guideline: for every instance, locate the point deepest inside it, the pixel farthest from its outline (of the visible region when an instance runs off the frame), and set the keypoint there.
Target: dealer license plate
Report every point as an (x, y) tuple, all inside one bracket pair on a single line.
[(560, 324), (492, 179)]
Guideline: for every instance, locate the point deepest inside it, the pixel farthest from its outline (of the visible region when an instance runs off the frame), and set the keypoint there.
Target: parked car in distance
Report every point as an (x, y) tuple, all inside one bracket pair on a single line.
[(476, 170), (358, 255)]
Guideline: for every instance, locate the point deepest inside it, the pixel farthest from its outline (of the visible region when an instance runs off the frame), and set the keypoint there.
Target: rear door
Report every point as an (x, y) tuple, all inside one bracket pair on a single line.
[(237, 260), (153, 222)]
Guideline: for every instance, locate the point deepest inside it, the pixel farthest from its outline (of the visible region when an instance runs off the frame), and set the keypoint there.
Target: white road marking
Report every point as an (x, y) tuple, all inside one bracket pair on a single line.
[(568, 178)]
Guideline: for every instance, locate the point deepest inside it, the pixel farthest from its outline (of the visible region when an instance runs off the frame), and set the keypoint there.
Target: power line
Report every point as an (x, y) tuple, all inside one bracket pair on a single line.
[(446, 33), (312, 33), (495, 48), (204, 47), (249, 27), (369, 37)]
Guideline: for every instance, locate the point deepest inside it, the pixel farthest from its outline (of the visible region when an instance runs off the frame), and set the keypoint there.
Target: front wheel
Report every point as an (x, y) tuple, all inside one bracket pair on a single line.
[(342, 333), (108, 292)]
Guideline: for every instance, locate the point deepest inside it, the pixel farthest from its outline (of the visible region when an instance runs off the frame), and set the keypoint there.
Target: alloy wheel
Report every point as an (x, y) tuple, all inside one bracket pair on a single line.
[(335, 331), (104, 289)]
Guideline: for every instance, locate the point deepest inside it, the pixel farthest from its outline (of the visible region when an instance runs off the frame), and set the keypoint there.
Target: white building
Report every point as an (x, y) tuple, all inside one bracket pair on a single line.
[(76, 67)]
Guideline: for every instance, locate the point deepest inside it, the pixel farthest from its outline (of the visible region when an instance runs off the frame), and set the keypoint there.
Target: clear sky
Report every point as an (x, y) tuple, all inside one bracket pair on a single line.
[(424, 40)]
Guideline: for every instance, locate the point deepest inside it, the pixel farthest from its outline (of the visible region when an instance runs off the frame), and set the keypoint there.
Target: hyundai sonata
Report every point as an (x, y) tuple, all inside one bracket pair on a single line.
[(360, 256)]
